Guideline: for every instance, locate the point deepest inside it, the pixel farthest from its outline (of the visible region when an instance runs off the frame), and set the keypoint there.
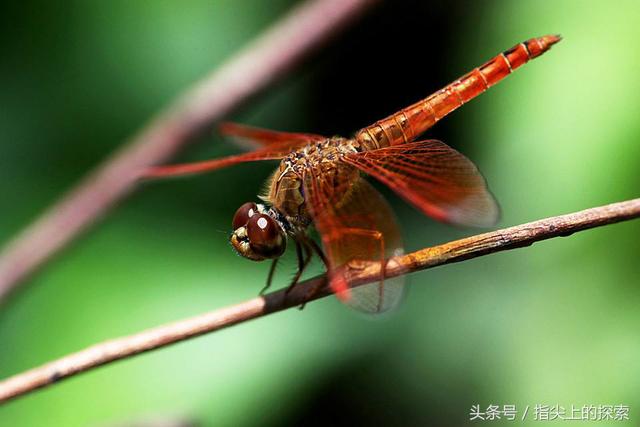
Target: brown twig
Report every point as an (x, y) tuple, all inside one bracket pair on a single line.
[(459, 250), (250, 71)]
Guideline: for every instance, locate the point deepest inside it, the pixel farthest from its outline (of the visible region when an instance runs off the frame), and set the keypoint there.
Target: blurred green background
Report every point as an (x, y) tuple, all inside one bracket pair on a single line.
[(556, 323)]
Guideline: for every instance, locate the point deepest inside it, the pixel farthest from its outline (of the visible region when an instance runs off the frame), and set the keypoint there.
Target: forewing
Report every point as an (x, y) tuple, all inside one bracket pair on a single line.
[(266, 145), (252, 138), (356, 226), (435, 178), (269, 153)]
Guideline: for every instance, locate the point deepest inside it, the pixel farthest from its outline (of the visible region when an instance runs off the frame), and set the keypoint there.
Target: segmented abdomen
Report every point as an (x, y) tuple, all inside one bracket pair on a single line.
[(410, 122)]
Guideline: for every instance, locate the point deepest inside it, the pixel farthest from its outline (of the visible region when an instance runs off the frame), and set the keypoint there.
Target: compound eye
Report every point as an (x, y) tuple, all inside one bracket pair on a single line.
[(262, 230), (243, 214), (265, 235)]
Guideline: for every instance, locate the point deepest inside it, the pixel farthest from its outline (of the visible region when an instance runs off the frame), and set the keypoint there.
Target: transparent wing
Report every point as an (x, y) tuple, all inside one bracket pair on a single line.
[(252, 138), (433, 177), (356, 226)]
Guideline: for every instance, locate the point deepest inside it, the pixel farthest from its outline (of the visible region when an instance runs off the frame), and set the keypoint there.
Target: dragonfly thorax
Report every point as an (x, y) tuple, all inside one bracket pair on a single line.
[(285, 189)]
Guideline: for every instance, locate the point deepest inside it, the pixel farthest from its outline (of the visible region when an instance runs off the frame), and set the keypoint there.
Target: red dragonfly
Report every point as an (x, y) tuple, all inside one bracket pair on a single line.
[(319, 181)]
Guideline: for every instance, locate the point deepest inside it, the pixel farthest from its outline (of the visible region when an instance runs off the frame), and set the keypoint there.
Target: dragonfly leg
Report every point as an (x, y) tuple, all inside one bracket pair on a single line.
[(320, 253), (312, 245), (272, 270), (303, 261)]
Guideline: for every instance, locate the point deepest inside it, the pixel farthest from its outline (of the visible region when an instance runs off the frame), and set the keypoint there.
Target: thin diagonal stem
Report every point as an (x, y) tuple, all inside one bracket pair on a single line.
[(247, 73), (456, 251)]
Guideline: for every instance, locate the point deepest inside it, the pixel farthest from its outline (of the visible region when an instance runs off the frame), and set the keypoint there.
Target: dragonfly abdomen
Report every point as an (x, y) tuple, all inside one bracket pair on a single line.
[(410, 122)]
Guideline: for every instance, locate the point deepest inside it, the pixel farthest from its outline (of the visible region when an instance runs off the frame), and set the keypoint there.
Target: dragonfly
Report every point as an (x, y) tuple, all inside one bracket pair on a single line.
[(320, 184)]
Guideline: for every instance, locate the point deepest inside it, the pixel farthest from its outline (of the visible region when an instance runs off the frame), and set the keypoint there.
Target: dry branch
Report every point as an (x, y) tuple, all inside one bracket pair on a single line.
[(248, 72), (459, 250)]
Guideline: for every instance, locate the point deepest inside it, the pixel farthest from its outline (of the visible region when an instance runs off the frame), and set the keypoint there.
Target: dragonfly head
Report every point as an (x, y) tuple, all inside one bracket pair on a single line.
[(256, 234)]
